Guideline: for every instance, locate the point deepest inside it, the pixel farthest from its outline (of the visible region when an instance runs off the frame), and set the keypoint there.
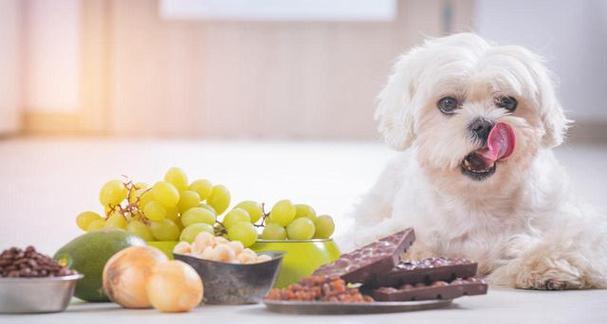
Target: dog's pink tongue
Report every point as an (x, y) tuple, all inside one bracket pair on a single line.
[(500, 143)]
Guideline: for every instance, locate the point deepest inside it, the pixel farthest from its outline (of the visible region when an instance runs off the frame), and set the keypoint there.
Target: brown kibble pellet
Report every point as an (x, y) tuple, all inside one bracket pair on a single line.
[(319, 288), (28, 263)]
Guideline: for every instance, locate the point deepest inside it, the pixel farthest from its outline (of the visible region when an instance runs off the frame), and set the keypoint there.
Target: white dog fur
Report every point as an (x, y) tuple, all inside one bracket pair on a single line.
[(521, 224)]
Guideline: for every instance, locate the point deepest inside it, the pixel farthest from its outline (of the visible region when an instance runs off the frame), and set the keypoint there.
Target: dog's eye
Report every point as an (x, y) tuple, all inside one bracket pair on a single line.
[(508, 103), (447, 105)]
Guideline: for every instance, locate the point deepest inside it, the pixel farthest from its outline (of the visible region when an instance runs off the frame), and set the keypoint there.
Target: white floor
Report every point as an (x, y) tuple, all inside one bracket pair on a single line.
[(499, 306), (45, 183)]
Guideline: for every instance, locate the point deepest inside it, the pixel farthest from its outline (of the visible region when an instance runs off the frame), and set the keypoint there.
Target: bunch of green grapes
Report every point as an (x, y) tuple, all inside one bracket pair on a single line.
[(296, 222), (169, 210), (284, 221), (175, 209)]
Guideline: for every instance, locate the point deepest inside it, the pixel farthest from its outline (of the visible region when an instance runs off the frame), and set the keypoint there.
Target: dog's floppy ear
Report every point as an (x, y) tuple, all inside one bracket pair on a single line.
[(394, 112), (551, 112), (555, 124)]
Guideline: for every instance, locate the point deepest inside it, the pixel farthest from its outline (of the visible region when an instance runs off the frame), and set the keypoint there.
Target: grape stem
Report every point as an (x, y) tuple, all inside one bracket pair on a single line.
[(220, 228), (131, 211), (265, 216)]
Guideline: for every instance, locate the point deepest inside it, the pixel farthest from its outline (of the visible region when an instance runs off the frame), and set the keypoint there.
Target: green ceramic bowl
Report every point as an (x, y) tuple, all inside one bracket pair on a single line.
[(301, 257), (300, 260)]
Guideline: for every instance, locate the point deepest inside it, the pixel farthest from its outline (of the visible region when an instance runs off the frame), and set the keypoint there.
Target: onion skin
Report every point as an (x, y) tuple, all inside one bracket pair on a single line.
[(126, 273), (174, 287)]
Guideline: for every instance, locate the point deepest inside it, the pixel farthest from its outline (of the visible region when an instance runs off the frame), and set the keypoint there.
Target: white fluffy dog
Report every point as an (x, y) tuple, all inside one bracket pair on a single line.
[(477, 177)]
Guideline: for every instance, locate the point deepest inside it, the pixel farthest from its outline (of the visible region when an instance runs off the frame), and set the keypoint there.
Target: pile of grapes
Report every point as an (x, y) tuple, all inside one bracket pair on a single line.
[(175, 209)]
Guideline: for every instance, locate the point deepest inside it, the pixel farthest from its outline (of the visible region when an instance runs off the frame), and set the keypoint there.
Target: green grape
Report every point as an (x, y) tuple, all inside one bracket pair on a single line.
[(197, 215), (282, 213), (190, 232), (138, 189), (112, 193), (303, 210), (172, 213), (177, 178), (140, 229), (219, 198), (301, 229), (145, 198), (188, 199), (179, 224), (166, 193), (324, 227), (244, 232), (96, 225), (234, 216), (273, 232), (209, 208), (165, 230), (154, 211), (253, 208), (116, 220), (140, 185), (85, 219), (203, 187)]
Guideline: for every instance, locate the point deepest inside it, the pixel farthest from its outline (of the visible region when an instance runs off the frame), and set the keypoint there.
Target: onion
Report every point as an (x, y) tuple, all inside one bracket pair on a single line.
[(126, 273), (174, 287)]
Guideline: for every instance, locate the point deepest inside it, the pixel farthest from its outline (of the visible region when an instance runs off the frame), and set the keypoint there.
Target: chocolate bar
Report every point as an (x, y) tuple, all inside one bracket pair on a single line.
[(437, 290), (427, 271), (366, 263)]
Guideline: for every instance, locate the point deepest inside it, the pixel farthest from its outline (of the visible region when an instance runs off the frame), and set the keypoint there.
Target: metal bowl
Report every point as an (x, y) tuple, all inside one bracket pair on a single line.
[(234, 284), (37, 295)]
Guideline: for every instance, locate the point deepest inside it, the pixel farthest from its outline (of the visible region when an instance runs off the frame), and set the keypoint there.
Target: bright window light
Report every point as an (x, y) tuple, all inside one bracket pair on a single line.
[(279, 10)]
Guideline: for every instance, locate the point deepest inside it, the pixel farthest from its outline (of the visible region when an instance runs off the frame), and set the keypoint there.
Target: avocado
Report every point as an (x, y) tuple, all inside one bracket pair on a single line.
[(88, 254)]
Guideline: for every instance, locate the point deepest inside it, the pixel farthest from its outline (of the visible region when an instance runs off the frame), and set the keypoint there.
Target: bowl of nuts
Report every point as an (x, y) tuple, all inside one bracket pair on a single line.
[(31, 282), (231, 274)]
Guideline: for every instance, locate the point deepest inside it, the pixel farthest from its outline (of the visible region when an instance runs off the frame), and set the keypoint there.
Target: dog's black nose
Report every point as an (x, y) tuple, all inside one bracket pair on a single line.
[(481, 127)]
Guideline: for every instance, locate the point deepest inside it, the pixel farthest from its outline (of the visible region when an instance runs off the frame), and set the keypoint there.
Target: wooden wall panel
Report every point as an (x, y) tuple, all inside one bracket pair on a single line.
[(256, 79)]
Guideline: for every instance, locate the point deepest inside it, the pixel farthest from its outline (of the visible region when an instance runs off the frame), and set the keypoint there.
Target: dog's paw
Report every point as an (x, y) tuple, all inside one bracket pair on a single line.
[(557, 285), (547, 274), (539, 283)]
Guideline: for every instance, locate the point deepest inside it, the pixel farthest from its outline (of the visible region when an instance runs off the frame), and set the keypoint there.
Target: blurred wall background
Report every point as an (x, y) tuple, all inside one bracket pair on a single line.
[(10, 19), (572, 36), (122, 68)]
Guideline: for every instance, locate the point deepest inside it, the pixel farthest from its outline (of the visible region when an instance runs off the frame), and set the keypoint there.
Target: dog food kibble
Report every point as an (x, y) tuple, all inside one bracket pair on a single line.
[(28, 263), (319, 288)]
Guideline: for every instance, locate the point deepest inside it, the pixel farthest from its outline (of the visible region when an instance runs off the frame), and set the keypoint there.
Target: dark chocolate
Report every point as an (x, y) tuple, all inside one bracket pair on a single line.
[(437, 290), (366, 263), (427, 271)]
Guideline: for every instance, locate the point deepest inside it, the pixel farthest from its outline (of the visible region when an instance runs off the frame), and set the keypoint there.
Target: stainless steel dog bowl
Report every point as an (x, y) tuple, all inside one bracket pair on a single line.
[(36, 295), (229, 283)]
